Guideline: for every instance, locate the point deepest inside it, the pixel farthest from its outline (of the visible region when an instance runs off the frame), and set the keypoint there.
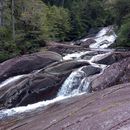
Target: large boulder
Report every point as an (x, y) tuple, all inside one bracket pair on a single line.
[(90, 70), (116, 73), (26, 64), (87, 43), (64, 66), (37, 86), (90, 54), (32, 89), (111, 57)]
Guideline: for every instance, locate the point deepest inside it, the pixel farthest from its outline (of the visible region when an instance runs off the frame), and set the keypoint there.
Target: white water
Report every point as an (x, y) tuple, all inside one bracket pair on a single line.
[(100, 57), (15, 78), (103, 31), (104, 38), (28, 108), (76, 83), (11, 80), (76, 55)]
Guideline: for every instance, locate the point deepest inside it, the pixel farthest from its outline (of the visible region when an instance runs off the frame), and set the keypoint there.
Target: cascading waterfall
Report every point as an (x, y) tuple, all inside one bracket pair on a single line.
[(74, 84), (104, 38), (77, 83)]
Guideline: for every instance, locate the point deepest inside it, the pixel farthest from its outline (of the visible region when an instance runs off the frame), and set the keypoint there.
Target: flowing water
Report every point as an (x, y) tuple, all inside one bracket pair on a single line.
[(77, 83), (104, 38), (11, 80)]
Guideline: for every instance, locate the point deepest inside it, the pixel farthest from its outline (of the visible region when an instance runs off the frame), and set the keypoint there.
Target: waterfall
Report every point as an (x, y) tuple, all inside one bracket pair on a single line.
[(104, 38), (77, 83), (74, 84), (100, 56)]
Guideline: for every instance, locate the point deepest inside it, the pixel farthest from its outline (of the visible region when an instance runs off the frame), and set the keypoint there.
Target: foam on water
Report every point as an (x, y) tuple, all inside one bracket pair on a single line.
[(74, 84), (77, 81), (104, 42), (19, 110), (103, 32), (99, 57), (11, 80), (75, 55), (104, 38), (83, 40)]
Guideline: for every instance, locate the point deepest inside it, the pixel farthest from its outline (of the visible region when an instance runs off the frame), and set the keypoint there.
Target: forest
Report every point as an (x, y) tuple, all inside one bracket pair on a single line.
[(26, 25)]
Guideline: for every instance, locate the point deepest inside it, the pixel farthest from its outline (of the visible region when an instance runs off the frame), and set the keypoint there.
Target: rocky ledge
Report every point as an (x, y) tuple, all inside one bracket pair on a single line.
[(104, 110)]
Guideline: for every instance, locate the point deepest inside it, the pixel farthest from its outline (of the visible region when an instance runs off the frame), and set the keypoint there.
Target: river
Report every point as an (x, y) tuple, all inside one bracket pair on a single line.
[(77, 82)]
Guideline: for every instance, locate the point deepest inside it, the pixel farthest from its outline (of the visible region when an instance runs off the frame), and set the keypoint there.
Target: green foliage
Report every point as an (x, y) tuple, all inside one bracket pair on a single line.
[(124, 34), (121, 9), (45, 22), (5, 33), (7, 50), (87, 14), (56, 24), (37, 21)]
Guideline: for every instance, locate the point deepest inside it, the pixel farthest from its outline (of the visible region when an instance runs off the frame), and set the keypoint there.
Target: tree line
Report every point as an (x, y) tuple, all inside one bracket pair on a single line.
[(26, 25)]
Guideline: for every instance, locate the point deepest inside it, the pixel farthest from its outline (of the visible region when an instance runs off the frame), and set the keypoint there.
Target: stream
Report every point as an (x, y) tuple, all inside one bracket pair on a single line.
[(77, 82)]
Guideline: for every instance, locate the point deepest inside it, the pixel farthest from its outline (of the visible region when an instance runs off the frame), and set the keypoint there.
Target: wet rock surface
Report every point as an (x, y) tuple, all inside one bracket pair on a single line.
[(104, 110), (65, 66), (85, 43)]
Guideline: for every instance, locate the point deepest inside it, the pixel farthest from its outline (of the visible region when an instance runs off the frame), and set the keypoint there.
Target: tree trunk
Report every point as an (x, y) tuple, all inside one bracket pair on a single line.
[(13, 20), (1, 12)]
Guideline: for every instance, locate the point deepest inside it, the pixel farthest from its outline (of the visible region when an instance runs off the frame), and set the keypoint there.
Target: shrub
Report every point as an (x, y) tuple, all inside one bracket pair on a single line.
[(124, 34)]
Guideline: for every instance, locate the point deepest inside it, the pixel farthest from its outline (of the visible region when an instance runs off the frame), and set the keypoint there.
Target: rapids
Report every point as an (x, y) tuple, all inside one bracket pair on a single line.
[(77, 83)]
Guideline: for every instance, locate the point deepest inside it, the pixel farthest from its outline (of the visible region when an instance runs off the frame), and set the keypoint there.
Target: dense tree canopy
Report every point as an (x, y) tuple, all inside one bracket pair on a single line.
[(25, 25), (122, 12)]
